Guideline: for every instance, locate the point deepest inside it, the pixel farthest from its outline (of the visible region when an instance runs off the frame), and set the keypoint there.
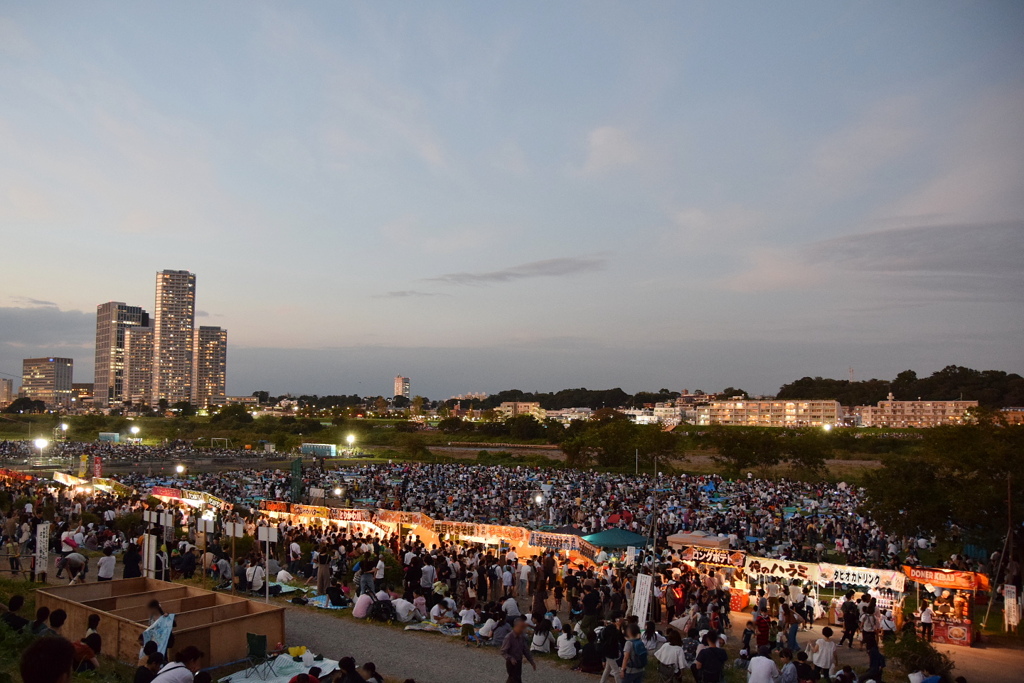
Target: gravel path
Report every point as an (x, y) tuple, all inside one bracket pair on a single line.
[(426, 657)]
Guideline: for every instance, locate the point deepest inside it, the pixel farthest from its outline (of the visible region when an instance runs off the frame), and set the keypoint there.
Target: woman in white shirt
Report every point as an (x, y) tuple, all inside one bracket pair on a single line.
[(651, 639), (568, 644), (671, 657), (542, 638)]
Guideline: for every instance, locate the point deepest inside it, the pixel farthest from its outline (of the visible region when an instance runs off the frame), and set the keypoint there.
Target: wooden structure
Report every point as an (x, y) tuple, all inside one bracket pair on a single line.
[(214, 622)]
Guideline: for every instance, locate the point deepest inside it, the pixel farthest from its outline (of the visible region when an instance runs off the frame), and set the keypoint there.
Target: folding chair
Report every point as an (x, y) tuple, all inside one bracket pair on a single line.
[(261, 662)]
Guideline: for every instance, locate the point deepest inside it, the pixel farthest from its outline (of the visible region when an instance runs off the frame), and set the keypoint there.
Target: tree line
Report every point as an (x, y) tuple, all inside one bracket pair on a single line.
[(990, 388)]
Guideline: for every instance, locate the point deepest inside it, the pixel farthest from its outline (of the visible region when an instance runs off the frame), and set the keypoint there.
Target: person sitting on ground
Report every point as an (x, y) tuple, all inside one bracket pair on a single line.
[(500, 631), (347, 671), (14, 621), (568, 645), (47, 660), (86, 653), (591, 659), (149, 648), (184, 667), (370, 673), (92, 625), (147, 672), (361, 609), (542, 640), (57, 619)]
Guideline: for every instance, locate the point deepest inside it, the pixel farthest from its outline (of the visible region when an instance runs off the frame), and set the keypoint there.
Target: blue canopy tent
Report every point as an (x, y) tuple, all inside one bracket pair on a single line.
[(616, 538)]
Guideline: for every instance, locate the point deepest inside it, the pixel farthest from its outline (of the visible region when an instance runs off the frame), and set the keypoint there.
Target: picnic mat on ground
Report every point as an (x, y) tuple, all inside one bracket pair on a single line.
[(284, 669), (322, 602), (433, 627)]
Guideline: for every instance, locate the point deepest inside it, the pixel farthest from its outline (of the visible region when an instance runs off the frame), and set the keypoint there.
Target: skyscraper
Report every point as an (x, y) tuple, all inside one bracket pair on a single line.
[(401, 386), (6, 391), (47, 380), (173, 322), (138, 365), (112, 320), (209, 366)]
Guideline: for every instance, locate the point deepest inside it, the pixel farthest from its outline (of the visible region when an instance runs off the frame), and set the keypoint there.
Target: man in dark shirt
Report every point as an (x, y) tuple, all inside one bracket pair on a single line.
[(711, 660), (611, 642), (11, 616), (514, 649), (147, 672)]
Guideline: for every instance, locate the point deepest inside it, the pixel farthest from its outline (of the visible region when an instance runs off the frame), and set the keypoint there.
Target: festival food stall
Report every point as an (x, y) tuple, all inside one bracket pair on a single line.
[(885, 585), (729, 562), (952, 595)]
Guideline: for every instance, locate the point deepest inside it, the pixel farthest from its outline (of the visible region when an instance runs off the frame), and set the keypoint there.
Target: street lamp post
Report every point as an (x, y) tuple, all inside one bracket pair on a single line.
[(135, 431), (351, 439), (41, 443)]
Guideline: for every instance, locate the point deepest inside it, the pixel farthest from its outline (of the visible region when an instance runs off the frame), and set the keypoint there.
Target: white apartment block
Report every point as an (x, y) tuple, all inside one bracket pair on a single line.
[(770, 413), (514, 408), (893, 413)]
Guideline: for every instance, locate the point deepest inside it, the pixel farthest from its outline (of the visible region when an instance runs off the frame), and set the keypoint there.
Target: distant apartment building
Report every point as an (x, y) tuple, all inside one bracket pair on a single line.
[(247, 401), (209, 366), (513, 409), (470, 396), (47, 380), (401, 386), (1013, 415), (669, 412), (83, 394), (641, 416), (6, 392), (567, 415), (893, 413), (173, 324), (138, 366), (769, 413), (112, 322)]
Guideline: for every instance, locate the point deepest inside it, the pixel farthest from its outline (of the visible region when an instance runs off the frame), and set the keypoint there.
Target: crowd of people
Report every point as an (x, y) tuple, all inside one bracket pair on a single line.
[(522, 606)]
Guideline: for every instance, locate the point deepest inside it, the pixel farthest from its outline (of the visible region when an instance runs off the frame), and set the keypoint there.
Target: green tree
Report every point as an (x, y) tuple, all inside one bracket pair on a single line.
[(184, 409), (744, 450), (524, 427), (959, 479), (451, 425), (24, 404), (235, 416)]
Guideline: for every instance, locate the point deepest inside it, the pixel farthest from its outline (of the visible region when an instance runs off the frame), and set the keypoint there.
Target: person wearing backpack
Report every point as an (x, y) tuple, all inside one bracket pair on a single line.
[(634, 656)]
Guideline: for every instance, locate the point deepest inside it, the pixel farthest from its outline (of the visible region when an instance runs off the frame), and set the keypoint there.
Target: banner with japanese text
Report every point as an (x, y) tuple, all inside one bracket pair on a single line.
[(862, 576), (723, 556), (783, 569)]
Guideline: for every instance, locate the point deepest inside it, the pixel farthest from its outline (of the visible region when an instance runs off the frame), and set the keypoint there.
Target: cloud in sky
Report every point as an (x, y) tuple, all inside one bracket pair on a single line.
[(766, 175), (609, 148), (556, 267), (407, 294)]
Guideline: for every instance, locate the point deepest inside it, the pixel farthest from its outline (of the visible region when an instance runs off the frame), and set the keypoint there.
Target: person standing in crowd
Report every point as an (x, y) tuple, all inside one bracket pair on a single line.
[(514, 649), (105, 565), (823, 654), (762, 669), (711, 660), (611, 643), (927, 617)]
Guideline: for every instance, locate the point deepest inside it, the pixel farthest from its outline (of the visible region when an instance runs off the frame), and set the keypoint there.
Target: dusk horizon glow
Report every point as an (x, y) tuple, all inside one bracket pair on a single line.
[(533, 197)]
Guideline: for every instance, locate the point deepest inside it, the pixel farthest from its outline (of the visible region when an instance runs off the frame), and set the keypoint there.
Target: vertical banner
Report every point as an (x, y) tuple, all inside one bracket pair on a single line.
[(83, 465), (97, 466), (642, 596), (1011, 607), (297, 480), (42, 548), (149, 545)]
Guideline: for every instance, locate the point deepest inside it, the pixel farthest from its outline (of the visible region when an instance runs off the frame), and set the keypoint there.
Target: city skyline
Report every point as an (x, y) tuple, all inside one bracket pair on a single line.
[(602, 195)]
